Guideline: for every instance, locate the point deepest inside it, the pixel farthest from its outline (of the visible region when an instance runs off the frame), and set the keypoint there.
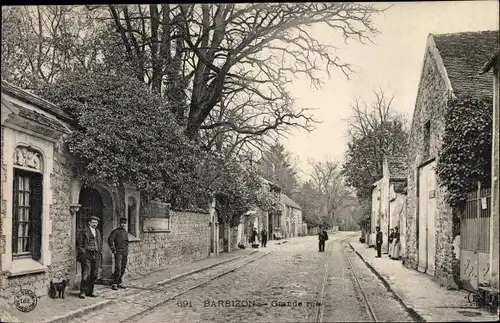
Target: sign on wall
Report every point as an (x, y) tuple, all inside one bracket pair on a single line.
[(156, 217)]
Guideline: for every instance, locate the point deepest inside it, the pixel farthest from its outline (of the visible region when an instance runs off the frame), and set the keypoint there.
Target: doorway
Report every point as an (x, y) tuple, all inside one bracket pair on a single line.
[(97, 202), (427, 213)]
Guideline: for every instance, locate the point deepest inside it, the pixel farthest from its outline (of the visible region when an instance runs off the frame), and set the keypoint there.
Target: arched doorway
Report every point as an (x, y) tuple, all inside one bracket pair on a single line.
[(91, 205), (97, 202)]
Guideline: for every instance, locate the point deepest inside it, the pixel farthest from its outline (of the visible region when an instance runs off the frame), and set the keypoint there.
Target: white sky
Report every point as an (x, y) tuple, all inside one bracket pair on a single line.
[(394, 62)]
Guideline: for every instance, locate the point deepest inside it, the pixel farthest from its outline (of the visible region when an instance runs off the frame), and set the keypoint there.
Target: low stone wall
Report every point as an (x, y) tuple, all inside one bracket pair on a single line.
[(187, 241)]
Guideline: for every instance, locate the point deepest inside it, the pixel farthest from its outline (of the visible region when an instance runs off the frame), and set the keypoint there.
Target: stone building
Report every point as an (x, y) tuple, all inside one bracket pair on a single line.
[(389, 200), (259, 219), (43, 205), (291, 222), (494, 65), (450, 71)]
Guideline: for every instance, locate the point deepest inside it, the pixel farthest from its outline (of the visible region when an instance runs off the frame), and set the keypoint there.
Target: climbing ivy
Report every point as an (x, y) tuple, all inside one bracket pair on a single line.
[(465, 157)]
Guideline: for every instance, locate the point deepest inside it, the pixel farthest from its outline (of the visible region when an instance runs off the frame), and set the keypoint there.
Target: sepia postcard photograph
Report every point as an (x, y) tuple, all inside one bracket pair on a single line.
[(250, 162)]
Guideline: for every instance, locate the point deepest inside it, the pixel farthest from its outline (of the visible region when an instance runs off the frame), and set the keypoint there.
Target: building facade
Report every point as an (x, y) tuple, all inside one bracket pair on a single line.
[(291, 217), (432, 238), (494, 65), (389, 200), (43, 205)]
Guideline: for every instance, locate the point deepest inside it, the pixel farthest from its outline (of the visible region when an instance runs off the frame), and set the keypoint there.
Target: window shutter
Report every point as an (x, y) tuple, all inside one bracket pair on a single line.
[(15, 213), (36, 216)]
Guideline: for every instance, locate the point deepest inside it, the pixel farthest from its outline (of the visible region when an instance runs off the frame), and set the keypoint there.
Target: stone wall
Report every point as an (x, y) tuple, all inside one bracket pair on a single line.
[(431, 105), (60, 240), (3, 206), (234, 238), (187, 241)]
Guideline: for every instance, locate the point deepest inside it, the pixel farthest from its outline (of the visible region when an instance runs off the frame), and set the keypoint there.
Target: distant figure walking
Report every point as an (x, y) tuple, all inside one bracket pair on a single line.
[(322, 237), (391, 239), (378, 242), (263, 237), (396, 249)]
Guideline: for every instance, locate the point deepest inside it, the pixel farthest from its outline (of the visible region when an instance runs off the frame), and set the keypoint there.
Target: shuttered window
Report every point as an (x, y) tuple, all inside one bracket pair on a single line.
[(27, 214)]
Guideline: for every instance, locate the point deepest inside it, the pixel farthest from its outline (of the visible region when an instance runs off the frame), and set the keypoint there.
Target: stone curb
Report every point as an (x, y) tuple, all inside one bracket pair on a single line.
[(418, 317), (79, 312), (137, 316), (195, 271), (93, 307)]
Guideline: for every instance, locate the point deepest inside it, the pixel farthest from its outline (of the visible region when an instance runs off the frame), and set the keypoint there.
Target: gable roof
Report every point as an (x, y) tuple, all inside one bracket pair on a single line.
[(35, 100), (463, 54), (288, 201), (492, 62)]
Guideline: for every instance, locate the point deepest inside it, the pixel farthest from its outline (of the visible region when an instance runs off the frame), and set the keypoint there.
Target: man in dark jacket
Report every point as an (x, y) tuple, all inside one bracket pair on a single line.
[(322, 237), (378, 242), (118, 243), (263, 237), (89, 251)]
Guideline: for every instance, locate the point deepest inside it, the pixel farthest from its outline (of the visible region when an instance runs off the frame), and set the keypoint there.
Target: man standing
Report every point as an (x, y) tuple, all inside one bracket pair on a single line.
[(322, 236), (118, 243), (378, 242), (263, 236), (89, 248)]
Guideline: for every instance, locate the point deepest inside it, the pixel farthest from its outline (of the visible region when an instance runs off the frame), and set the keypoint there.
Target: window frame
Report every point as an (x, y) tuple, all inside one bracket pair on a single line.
[(132, 193), (427, 137), (23, 174), (131, 214)]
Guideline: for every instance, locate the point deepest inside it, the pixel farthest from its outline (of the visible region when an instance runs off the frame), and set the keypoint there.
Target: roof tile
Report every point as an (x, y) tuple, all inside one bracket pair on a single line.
[(463, 56)]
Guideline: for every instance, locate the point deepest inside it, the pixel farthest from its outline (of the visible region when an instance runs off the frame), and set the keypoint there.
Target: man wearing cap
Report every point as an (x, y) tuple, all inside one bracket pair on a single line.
[(378, 242), (89, 247), (118, 243)]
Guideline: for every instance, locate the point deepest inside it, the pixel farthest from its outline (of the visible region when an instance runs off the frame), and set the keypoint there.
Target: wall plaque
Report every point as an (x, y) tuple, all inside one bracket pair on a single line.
[(156, 218)]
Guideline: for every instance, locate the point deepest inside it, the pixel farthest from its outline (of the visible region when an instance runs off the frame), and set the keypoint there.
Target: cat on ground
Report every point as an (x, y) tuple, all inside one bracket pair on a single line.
[(58, 289)]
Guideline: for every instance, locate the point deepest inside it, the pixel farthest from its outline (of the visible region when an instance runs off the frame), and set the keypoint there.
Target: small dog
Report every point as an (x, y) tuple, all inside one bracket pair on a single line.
[(58, 289), (241, 246)]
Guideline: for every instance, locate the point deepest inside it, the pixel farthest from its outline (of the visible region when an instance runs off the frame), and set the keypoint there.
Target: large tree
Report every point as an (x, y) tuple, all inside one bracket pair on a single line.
[(43, 43), (125, 134), (333, 193), (210, 60), (276, 166), (375, 129), (309, 199)]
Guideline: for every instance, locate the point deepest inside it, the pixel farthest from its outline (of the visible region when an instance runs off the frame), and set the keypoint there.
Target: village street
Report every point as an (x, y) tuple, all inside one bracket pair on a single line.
[(292, 272)]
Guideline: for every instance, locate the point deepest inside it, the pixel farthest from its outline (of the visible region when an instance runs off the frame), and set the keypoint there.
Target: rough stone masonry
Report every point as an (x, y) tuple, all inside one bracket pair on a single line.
[(431, 105)]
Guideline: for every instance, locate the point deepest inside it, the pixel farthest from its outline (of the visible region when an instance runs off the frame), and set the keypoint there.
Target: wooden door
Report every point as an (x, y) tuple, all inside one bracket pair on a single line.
[(422, 220), (431, 218)]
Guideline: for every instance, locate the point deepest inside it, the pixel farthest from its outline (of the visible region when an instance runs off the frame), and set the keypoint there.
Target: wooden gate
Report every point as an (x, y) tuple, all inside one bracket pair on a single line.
[(475, 239)]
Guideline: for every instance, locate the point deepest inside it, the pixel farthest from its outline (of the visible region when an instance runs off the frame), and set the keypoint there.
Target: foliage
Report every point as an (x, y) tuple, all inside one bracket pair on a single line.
[(219, 65), (330, 187), (276, 166), (465, 157), (126, 134), (237, 189), (42, 43), (309, 199), (373, 132)]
